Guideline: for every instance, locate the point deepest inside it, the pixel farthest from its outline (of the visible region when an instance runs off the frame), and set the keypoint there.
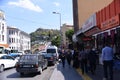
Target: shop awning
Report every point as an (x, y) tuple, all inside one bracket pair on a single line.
[(92, 31), (4, 45)]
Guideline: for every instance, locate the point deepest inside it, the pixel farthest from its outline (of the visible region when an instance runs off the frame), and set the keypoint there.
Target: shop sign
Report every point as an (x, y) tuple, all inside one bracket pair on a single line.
[(113, 22), (91, 22), (92, 31)]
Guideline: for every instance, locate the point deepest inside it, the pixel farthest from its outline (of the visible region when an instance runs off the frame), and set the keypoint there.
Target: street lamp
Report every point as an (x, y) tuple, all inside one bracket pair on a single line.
[(59, 16), (60, 25)]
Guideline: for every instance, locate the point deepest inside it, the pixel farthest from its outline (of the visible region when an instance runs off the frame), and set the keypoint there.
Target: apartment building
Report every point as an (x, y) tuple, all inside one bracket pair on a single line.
[(3, 30), (17, 39), (65, 28)]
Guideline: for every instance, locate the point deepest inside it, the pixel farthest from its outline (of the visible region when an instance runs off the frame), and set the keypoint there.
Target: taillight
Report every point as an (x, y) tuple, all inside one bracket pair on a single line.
[(51, 58), (17, 65), (36, 65)]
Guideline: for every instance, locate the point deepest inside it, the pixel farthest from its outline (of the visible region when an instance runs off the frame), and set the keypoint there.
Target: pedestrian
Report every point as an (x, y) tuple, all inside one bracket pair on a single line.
[(83, 61), (63, 55), (107, 59), (69, 57), (75, 59), (92, 58)]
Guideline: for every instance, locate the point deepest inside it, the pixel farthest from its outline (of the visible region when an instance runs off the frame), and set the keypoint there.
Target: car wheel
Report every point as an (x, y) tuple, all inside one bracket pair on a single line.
[(1, 68), (21, 74), (46, 67)]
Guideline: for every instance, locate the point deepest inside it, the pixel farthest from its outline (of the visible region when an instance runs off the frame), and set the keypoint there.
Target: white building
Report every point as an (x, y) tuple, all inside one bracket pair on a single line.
[(3, 30), (17, 39)]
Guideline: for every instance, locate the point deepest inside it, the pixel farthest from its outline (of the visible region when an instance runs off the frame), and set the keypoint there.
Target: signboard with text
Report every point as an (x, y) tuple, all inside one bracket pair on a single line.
[(112, 22), (91, 22)]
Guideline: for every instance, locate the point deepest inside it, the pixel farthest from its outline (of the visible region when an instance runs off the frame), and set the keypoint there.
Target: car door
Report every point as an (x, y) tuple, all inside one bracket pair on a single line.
[(8, 61)]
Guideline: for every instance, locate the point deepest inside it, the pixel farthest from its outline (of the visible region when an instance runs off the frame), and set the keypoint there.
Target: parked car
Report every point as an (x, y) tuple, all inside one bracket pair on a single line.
[(15, 55), (31, 63), (51, 58), (6, 61)]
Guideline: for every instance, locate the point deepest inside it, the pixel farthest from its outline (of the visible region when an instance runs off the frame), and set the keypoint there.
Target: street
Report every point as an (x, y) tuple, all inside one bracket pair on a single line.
[(11, 74)]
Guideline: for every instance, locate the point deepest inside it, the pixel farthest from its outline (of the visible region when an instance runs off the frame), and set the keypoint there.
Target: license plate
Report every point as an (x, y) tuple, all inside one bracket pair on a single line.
[(26, 66)]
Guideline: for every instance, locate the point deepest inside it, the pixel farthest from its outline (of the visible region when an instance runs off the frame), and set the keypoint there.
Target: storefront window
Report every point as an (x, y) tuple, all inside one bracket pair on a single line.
[(118, 40)]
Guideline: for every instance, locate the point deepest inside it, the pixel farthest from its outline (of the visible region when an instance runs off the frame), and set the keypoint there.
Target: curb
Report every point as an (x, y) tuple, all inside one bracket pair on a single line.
[(85, 76)]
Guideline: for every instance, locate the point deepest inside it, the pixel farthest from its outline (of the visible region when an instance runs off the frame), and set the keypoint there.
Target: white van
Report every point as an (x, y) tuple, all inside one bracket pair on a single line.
[(54, 50)]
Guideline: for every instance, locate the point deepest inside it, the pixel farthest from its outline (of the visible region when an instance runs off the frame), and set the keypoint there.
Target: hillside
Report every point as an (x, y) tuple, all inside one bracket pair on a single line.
[(43, 34)]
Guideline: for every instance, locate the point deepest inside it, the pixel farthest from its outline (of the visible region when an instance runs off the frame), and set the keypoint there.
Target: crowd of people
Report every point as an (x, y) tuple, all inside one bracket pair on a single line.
[(87, 60), (78, 59)]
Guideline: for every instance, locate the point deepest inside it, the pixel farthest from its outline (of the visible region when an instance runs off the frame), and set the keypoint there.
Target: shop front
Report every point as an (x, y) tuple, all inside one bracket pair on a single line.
[(77, 39), (90, 28), (110, 32)]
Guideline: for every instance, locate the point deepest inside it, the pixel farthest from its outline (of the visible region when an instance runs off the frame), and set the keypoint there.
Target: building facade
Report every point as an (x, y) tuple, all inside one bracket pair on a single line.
[(102, 27), (65, 28), (3, 30), (17, 39), (83, 9)]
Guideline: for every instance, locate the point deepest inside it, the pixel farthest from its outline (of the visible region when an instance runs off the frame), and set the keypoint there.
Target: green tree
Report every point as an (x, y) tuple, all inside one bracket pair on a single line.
[(69, 34), (56, 41)]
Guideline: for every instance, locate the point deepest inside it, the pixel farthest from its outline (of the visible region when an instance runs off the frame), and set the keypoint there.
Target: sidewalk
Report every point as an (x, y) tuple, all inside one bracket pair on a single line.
[(99, 74), (67, 73)]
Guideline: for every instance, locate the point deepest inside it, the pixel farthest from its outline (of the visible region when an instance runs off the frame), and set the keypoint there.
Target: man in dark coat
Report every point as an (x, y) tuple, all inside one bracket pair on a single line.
[(69, 57), (63, 58), (75, 59), (92, 58)]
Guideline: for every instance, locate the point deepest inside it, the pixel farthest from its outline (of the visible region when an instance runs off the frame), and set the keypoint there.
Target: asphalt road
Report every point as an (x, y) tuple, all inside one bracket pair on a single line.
[(11, 74)]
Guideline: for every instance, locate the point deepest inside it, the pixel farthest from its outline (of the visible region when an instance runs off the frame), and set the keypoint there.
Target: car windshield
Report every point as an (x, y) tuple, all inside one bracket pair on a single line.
[(51, 51), (29, 57)]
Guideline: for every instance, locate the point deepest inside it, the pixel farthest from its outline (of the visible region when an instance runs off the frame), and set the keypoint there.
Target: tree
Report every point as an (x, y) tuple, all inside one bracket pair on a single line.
[(56, 41), (69, 34)]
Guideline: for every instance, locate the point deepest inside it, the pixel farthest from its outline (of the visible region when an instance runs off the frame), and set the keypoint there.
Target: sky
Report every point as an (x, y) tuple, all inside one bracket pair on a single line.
[(29, 15)]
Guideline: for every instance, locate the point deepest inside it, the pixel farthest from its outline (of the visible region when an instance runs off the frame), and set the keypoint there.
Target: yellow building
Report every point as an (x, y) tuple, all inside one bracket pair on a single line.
[(83, 9)]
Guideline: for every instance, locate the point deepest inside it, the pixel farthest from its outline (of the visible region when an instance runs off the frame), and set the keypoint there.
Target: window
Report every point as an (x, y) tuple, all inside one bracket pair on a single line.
[(2, 27), (9, 40), (51, 50), (2, 37), (9, 31), (12, 40), (7, 57)]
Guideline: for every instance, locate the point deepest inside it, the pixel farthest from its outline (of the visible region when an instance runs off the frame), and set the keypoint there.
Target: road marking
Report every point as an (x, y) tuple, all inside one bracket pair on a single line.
[(85, 76)]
